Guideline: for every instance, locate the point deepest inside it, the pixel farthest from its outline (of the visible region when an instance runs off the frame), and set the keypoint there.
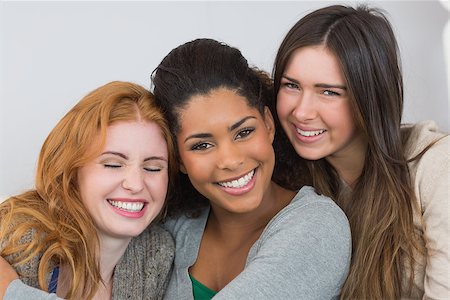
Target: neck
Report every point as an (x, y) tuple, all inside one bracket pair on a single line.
[(111, 250), (233, 225), (229, 236), (349, 164)]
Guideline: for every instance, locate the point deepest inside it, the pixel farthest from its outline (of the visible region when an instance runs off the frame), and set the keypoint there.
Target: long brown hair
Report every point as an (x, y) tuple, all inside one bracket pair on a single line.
[(53, 212), (380, 207)]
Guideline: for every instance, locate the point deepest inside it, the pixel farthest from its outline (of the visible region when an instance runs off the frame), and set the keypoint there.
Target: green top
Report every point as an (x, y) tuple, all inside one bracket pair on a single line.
[(201, 292)]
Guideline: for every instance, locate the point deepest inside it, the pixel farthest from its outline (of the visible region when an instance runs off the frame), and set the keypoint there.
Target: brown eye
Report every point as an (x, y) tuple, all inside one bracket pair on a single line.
[(201, 146), (244, 133)]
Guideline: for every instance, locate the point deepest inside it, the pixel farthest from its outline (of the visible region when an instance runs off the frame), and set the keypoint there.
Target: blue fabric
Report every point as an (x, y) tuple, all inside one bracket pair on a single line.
[(53, 281)]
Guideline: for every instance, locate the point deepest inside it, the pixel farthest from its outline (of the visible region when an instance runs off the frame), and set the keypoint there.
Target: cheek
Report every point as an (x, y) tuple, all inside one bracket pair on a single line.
[(348, 130), (284, 107), (86, 185), (197, 166), (200, 172), (342, 117), (158, 187), (262, 149)]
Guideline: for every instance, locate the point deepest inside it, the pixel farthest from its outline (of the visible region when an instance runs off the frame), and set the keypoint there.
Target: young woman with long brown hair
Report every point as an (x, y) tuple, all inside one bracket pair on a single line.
[(339, 100)]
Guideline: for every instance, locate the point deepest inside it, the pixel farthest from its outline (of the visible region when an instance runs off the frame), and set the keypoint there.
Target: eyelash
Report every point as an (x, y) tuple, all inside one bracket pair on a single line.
[(242, 134), (331, 93), (201, 146), (152, 170), (294, 86), (112, 166), (248, 131), (290, 85)]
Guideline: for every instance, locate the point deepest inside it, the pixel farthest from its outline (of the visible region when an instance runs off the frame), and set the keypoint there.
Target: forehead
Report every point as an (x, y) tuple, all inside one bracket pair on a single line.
[(219, 106), (144, 136), (316, 62)]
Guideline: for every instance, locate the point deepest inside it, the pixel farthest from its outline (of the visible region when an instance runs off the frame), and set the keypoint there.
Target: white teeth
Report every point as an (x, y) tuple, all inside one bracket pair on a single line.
[(238, 183), (310, 133), (128, 206)]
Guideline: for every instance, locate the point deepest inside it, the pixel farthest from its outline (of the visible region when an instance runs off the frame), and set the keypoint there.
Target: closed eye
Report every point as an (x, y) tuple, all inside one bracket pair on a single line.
[(153, 169), (112, 166)]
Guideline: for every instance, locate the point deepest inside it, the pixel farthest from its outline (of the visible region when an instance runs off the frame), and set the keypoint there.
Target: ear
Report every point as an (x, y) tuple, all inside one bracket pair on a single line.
[(270, 123), (182, 168)]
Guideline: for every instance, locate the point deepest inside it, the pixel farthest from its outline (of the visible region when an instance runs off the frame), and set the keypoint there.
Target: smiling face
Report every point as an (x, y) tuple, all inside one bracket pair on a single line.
[(124, 188), (313, 106), (226, 149)]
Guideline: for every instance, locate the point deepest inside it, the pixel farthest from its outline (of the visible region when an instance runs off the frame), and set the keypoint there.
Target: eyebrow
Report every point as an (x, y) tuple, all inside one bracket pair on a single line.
[(126, 157), (321, 85), (231, 128), (239, 123)]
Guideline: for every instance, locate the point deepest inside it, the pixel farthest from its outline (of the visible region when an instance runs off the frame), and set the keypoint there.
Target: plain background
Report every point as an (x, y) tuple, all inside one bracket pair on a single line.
[(53, 53)]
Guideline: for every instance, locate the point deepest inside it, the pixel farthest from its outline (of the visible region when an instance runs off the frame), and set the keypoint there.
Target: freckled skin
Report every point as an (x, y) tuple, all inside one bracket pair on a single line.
[(122, 172)]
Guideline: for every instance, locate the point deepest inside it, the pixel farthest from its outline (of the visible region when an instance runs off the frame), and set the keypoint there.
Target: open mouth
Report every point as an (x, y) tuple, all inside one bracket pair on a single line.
[(309, 133), (239, 182), (127, 206)]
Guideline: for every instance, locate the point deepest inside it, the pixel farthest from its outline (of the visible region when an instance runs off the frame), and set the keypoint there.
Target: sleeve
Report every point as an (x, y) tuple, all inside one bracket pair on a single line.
[(27, 287), (18, 290), (433, 191), (305, 256)]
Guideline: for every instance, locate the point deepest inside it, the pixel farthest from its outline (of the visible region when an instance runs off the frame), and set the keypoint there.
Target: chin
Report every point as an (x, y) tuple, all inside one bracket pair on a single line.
[(130, 232), (310, 156), (247, 208)]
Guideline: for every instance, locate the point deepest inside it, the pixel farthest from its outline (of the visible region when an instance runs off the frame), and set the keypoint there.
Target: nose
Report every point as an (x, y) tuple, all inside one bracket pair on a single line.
[(305, 108), (229, 157), (133, 180)]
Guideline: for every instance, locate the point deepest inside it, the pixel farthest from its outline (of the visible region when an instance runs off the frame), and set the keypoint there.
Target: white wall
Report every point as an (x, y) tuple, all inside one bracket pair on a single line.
[(53, 53)]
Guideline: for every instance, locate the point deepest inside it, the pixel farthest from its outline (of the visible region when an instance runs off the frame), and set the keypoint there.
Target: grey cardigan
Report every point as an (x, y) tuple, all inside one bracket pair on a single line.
[(303, 253), (142, 272)]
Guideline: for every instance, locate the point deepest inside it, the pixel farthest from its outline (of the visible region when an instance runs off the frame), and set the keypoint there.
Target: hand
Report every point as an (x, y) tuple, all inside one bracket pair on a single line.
[(7, 274)]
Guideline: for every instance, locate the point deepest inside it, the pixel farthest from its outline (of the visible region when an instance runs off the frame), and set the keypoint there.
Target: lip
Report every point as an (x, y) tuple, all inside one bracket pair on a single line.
[(241, 190), (237, 177), (306, 128), (125, 213), (307, 139), (128, 200)]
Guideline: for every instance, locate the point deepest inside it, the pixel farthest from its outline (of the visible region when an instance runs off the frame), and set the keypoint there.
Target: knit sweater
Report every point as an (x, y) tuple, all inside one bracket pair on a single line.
[(142, 272), (430, 179), (303, 253)]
